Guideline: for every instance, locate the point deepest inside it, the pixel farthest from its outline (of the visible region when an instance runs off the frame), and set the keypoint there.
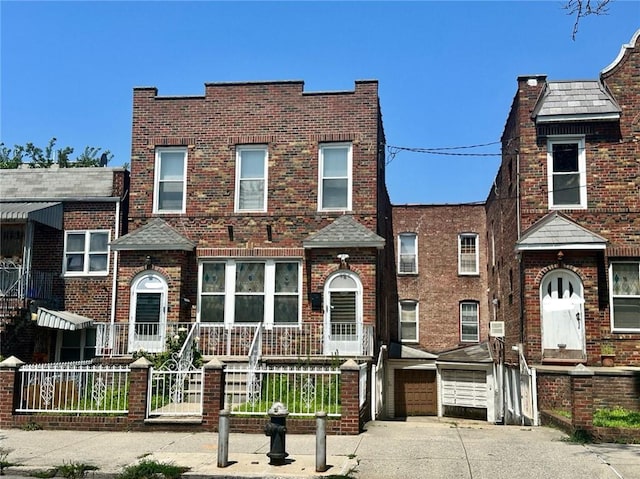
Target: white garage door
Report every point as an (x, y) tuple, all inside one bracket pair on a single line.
[(464, 388)]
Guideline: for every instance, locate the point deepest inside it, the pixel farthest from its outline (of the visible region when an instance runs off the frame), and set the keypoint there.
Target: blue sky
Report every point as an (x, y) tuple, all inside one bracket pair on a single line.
[(447, 70)]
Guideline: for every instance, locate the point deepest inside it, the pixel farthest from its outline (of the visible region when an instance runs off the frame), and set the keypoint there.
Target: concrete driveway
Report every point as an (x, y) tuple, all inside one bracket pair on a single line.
[(449, 448)]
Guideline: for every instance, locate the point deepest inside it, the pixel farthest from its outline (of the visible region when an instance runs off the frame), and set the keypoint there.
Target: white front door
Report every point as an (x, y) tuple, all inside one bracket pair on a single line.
[(147, 325), (562, 310), (343, 315)]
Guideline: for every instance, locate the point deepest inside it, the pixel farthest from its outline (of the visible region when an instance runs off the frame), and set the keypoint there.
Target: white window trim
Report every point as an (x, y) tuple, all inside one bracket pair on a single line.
[(269, 289), (416, 322), (415, 246), (477, 304), (239, 150), (582, 171), (87, 239), (611, 296), (321, 178), (156, 180), (477, 241)]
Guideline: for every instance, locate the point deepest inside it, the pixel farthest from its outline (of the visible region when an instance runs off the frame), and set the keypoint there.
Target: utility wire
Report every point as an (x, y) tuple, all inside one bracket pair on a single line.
[(392, 151)]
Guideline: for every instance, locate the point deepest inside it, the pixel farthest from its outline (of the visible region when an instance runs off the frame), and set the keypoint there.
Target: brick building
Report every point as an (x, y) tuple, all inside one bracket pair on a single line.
[(55, 263), (442, 308), (566, 198), (257, 206)]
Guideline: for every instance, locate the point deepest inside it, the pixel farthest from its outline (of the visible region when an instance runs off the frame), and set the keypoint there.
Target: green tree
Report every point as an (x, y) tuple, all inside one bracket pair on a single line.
[(37, 157)]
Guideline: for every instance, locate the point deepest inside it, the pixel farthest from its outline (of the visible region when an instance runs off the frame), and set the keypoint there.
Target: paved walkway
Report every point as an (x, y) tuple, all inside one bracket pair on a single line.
[(418, 448)]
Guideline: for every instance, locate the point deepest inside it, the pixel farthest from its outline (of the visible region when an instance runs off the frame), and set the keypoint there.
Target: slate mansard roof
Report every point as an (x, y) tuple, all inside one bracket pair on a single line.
[(575, 101)]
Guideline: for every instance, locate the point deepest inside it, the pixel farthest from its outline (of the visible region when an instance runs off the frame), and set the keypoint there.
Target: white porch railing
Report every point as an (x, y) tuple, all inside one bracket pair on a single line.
[(212, 339), (77, 387)]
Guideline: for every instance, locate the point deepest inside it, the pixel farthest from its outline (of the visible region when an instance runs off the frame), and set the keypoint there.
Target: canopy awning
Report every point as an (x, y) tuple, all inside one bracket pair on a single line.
[(47, 213), (62, 320)]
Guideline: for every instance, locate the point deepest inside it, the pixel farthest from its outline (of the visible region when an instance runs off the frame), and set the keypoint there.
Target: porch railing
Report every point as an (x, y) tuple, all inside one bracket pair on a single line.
[(309, 339), (18, 282)]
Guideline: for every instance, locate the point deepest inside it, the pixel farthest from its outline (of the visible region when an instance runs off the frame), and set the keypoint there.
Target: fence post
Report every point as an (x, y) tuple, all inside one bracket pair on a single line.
[(9, 389), (212, 393), (581, 379), (138, 390), (321, 441), (350, 397)]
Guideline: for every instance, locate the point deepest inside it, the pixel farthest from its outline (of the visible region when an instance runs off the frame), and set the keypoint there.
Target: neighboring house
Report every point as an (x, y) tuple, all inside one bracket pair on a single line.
[(439, 355), (563, 218), (55, 262), (258, 216)]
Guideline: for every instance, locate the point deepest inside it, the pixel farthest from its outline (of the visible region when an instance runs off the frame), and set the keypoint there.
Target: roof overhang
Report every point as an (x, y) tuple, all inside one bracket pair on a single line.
[(565, 246), (344, 244), (49, 213), (573, 118), (62, 320)]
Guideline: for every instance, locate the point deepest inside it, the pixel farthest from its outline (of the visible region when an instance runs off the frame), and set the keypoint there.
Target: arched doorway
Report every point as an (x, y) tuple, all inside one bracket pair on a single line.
[(343, 314), (148, 313), (562, 315)]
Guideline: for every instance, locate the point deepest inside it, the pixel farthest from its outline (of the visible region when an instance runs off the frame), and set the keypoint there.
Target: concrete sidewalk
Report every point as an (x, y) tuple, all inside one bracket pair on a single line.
[(418, 448)]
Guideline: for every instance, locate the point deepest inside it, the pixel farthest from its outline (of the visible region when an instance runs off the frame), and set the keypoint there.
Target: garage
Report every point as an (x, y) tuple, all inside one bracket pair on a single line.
[(464, 388), (415, 392)]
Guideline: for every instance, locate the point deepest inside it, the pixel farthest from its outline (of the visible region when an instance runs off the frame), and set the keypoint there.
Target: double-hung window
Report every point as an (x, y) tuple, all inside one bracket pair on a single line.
[(407, 253), (170, 180), (335, 177), (625, 296), (566, 170), (251, 178), (86, 253), (409, 321), (468, 254), (244, 291), (469, 323)]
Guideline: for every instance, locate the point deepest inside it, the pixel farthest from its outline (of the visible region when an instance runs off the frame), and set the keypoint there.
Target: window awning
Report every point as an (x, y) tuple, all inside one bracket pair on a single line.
[(49, 214), (62, 320)]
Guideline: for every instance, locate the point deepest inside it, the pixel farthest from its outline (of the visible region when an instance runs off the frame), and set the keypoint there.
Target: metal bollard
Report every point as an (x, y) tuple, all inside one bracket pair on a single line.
[(223, 438), (276, 428), (321, 441)]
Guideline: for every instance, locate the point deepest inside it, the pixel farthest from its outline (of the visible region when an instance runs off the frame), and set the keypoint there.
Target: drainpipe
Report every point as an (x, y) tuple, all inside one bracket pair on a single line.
[(114, 286)]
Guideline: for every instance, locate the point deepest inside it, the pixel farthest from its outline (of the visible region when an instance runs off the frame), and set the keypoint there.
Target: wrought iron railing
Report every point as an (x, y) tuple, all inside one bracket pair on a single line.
[(16, 281)]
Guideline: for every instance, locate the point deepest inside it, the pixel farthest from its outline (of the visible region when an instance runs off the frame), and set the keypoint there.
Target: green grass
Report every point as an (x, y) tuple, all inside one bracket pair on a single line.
[(616, 417), (562, 413), (149, 469)]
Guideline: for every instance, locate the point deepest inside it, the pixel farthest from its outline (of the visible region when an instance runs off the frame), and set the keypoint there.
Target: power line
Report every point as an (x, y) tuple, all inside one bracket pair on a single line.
[(392, 150)]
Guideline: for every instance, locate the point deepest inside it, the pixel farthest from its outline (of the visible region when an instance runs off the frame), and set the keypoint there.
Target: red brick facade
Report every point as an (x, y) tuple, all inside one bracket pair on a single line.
[(437, 286), (519, 199)]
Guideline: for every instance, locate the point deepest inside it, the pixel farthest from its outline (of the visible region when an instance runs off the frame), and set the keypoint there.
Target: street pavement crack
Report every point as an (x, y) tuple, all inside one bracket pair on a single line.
[(466, 456)]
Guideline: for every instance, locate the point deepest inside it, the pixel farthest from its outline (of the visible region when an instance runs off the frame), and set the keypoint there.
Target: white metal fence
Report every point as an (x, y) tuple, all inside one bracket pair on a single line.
[(77, 387), (303, 390), (175, 392)]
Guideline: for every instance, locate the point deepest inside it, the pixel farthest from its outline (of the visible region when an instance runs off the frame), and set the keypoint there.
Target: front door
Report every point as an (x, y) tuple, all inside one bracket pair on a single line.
[(562, 310), (147, 327), (343, 315)]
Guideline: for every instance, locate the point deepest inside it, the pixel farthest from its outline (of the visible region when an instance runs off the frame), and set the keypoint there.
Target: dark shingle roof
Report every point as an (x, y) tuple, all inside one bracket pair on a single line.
[(56, 183), (575, 100), (344, 232), (556, 231), (154, 236), (478, 353)]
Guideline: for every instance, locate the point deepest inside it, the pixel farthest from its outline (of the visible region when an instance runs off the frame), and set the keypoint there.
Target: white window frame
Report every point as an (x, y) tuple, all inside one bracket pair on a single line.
[(627, 296), (157, 180), (321, 178), (86, 252), (401, 320), (239, 150), (408, 236), (269, 292), (477, 321), (582, 171), (476, 239)]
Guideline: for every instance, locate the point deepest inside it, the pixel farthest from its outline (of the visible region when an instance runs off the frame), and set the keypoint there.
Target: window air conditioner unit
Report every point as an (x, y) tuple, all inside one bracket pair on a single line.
[(496, 329)]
